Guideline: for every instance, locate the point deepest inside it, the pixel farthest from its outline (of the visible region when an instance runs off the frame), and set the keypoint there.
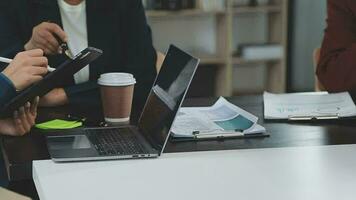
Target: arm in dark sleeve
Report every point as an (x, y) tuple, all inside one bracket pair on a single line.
[(337, 65), (84, 94), (10, 38), (140, 53), (7, 90)]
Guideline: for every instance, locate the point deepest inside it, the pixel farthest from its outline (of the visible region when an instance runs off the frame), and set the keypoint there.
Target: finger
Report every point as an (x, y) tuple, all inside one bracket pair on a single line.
[(29, 117), (46, 50), (34, 106), (19, 125), (47, 45), (51, 48), (38, 61), (44, 45), (55, 29), (27, 107), (51, 41), (51, 38), (23, 118), (37, 70), (34, 52)]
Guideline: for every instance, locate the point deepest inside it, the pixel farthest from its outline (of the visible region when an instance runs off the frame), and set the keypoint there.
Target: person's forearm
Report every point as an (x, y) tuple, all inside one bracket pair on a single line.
[(56, 97), (84, 94)]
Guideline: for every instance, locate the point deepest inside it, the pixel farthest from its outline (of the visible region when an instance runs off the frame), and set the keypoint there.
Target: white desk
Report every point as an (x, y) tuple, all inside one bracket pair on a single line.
[(277, 174)]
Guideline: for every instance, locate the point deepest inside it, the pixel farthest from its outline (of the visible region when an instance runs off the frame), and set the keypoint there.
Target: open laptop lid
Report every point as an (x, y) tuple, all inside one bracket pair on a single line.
[(166, 96)]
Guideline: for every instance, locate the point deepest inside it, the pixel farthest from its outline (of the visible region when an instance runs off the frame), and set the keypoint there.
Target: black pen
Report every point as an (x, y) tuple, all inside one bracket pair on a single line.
[(64, 46)]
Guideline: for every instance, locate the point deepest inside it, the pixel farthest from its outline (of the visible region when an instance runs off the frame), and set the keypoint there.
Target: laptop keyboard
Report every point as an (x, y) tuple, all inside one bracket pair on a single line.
[(115, 141)]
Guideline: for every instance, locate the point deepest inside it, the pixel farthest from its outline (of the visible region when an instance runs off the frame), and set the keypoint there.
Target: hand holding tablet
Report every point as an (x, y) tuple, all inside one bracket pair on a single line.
[(52, 80)]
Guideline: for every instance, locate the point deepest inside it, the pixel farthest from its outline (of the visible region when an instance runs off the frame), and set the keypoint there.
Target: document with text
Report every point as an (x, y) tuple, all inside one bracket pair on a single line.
[(318, 105), (222, 117)]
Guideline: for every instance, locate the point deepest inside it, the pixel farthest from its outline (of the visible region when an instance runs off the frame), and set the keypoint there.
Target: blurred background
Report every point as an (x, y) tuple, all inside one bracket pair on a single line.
[(245, 46)]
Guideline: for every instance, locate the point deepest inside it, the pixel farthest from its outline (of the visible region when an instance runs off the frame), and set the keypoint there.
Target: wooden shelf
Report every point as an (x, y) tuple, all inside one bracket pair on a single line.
[(277, 29), (241, 61), (247, 92), (199, 12), (182, 13), (257, 9), (210, 59)]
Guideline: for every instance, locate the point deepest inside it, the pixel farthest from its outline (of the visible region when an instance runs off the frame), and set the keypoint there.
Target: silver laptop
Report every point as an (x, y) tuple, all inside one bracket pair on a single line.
[(149, 138)]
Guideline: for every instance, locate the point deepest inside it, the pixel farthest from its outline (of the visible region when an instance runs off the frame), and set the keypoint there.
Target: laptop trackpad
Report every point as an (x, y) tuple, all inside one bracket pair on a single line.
[(69, 142), (70, 147)]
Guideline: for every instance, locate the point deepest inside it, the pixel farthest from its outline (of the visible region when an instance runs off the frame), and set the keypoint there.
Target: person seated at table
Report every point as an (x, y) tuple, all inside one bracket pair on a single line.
[(337, 66), (26, 68), (119, 28)]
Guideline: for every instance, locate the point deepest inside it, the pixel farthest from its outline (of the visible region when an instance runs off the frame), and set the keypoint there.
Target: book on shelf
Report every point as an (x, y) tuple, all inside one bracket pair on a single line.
[(211, 5), (168, 4), (260, 51), (245, 3)]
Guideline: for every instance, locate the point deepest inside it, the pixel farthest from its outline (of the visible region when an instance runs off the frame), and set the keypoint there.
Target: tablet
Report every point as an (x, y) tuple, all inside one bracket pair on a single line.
[(51, 80)]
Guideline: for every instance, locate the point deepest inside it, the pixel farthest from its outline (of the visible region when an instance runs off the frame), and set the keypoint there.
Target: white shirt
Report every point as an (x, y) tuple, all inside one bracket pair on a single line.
[(74, 20)]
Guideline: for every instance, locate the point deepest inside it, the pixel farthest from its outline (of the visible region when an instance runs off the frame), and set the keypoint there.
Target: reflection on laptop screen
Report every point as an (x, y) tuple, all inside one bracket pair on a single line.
[(167, 95)]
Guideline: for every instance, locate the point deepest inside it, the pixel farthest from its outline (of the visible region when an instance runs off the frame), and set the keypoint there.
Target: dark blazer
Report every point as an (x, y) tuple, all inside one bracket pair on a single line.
[(337, 65), (118, 27), (7, 90)]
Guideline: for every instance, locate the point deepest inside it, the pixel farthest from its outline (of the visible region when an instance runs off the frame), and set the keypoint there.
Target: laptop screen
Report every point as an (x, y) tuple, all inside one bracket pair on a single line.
[(166, 96)]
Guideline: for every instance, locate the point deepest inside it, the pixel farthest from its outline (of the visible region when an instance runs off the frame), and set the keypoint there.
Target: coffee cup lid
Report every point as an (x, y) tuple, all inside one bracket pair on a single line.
[(116, 79)]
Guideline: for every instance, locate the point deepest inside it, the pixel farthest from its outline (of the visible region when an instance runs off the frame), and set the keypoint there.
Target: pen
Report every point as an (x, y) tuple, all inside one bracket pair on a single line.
[(64, 46), (7, 60), (222, 135)]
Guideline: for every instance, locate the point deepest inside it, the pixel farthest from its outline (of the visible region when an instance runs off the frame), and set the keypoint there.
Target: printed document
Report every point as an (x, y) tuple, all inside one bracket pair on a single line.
[(286, 106), (222, 117)]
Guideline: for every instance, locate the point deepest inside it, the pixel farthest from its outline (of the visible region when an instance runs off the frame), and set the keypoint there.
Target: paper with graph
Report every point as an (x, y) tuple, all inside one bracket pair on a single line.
[(322, 104), (222, 117)]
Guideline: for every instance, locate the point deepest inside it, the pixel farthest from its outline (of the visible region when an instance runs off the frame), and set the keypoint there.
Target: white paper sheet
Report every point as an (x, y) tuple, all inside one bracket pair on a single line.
[(218, 118), (285, 106)]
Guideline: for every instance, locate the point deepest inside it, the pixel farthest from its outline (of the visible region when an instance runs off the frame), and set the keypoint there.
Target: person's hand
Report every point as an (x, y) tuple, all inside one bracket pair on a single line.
[(22, 121), (44, 37), (56, 97), (26, 68)]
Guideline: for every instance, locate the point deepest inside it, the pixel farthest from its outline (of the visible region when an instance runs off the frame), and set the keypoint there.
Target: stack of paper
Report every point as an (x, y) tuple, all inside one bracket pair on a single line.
[(306, 106), (221, 118)]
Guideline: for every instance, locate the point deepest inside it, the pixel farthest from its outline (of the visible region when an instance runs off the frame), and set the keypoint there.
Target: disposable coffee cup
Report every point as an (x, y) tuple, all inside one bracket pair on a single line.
[(116, 95)]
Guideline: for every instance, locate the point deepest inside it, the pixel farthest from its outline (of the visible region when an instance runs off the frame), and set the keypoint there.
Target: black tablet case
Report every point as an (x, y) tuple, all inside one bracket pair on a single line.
[(51, 80)]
